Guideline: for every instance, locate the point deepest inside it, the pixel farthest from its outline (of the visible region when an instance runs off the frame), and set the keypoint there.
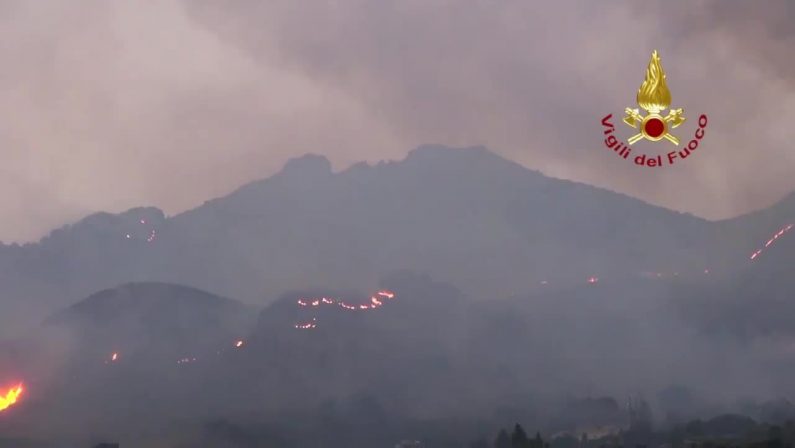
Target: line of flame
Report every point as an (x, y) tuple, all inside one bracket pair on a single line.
[(10, 397)]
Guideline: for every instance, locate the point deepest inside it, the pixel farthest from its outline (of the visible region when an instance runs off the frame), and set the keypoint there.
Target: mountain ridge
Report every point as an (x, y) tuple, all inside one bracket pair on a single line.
[(312, 163), (465, 216)]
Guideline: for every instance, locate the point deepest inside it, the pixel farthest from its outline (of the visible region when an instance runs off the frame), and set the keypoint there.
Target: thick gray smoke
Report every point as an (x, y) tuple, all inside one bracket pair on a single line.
[(108, 106)]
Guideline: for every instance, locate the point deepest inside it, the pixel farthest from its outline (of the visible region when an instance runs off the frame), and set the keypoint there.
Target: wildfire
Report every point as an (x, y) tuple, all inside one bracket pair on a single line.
[(10, 397), (387, 294), (239, 344), (151, 237), (772, 239), (376, 301), (307, 326)]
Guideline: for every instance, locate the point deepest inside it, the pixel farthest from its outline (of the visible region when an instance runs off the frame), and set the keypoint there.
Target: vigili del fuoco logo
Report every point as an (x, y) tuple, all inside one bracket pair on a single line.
[(654, 98)]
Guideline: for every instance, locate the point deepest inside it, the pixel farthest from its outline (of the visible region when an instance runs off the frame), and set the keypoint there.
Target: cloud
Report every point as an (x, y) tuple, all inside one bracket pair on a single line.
[(107, 106)]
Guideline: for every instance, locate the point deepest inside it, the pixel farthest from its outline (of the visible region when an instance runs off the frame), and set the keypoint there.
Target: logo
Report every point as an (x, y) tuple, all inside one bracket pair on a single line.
[(654, 98)]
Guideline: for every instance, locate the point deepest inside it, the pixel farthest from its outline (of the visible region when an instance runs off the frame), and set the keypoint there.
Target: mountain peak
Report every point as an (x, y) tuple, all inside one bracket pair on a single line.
[(152, 296), (308, 165), (477, 161)]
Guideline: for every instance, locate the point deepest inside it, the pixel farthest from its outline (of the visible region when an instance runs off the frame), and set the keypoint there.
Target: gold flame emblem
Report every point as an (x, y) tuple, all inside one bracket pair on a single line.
[(654, 97)]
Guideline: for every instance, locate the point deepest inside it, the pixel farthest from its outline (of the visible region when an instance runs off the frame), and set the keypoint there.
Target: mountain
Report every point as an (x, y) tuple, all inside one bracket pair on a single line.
[(140, 352), (428, 351), (748, 233), (465, 216), (168, 318), (753, 303)]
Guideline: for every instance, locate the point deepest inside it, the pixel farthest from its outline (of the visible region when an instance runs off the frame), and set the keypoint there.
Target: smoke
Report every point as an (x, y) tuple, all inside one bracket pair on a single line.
[(114, 105), (110, 106)]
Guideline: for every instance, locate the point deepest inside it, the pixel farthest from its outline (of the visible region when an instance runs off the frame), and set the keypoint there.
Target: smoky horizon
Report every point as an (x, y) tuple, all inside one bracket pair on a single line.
[(420, 224), (113, 106)]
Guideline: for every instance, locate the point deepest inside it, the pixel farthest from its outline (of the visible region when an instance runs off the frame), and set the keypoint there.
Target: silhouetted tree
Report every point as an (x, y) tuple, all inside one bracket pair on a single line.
[(538, 442), (519, 438), (774, 437), (503, 440)]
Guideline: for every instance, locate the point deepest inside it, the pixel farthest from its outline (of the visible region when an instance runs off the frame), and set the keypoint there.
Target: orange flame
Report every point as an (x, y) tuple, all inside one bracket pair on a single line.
[(376, 301), (10, 397), (772, 240)]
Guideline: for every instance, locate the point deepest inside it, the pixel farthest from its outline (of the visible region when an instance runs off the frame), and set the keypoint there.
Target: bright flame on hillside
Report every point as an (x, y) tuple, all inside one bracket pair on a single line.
[(772, 240), (9, 397), (376, 301)]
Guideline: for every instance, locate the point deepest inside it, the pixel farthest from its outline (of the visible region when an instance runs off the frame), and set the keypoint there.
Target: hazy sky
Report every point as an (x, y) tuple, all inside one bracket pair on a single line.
[(111, 105)]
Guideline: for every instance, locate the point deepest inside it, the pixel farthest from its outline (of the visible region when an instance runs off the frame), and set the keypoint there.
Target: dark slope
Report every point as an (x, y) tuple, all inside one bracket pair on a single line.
[(741, 236), (465, 216), (755, 302), (148, 317), (75, 386), (430, 352), (73, 262)]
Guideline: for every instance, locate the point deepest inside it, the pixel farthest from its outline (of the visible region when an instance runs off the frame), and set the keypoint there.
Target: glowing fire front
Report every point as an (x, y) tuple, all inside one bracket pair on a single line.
[(376, 301), (772, 240), (10, 396)]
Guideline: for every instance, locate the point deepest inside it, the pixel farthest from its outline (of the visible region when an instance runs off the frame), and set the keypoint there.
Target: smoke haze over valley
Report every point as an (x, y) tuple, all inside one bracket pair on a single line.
[(545, 290), (362, 224)]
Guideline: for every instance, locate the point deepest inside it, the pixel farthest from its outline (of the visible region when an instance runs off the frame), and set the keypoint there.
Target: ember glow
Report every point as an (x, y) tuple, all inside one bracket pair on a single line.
[(239, 344), (114, 357), (376, 301), (10, 396), (150, 237), (772, 239), (308, 325)]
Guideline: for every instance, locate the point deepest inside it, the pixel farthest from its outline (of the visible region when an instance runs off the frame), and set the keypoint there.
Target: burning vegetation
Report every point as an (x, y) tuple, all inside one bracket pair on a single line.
[(376, 301), (772, 240), (10, 396)]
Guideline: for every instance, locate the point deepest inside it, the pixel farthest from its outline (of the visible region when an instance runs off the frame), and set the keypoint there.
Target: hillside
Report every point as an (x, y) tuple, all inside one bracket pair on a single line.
[(129, 352), (425, 352), (464, 216), (153, 315)]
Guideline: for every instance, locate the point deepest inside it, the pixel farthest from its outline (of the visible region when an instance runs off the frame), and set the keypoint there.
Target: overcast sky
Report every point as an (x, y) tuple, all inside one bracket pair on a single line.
[(111, 105)]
